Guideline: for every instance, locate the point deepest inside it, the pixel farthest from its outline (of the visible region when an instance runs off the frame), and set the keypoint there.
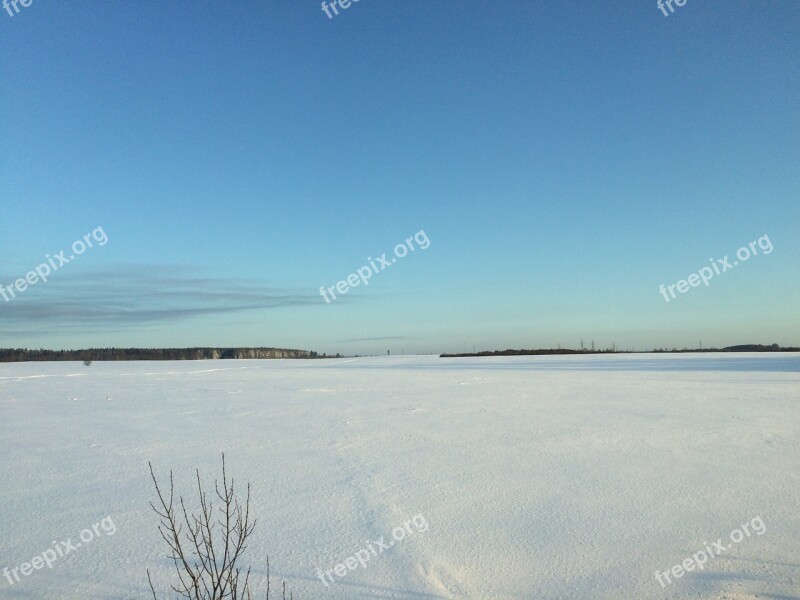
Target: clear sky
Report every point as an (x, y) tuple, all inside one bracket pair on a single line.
[(563, 159)]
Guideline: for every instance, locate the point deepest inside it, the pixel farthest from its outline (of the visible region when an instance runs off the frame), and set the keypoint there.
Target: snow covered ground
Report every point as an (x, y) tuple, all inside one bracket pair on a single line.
[(535, 477)]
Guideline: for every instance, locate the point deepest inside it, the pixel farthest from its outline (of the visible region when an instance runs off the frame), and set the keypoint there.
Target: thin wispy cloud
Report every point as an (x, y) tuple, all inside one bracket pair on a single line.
[(137, 295), (374, 339)]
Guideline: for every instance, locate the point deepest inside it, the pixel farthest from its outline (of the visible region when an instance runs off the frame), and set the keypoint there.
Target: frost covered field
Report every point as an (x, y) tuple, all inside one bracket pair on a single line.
[(527, 477)]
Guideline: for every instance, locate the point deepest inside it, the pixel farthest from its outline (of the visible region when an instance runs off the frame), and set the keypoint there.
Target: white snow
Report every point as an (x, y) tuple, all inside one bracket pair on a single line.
[(539, 477)]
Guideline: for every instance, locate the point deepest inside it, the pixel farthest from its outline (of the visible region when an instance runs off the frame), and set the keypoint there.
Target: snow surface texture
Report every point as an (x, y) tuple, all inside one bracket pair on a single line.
[(539, 477)]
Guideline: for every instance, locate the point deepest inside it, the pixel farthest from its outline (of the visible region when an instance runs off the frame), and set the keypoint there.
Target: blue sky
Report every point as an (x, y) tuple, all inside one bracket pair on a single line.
[(563, 159)]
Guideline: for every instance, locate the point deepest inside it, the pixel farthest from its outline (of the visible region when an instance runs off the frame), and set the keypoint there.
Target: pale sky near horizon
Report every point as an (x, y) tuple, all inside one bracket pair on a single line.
[(563, 160)]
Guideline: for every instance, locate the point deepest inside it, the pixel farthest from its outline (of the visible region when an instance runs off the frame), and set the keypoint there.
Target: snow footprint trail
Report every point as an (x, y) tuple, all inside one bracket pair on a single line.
[(371, 493), (442, 579), (381, 500), (381, 509)]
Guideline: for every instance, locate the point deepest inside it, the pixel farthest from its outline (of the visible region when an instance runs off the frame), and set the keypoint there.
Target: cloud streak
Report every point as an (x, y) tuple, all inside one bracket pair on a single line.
[(132, 296), (373, 339)]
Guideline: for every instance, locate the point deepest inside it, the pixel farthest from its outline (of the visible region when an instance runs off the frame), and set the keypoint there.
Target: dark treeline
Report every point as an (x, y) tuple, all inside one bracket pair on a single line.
[(102, 354), (509, 352)]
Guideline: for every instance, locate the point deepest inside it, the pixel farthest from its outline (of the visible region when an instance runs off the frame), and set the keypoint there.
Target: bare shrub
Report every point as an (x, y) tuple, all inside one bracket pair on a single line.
[(206, 548)]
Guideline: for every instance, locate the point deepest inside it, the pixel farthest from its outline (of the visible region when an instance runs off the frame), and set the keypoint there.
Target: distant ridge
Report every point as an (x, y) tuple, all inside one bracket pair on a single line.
[(509, 352), (110, 354)]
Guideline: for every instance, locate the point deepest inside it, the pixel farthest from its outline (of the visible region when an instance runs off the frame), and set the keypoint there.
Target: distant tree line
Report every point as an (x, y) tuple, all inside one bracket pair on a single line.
[(739, 348), (510, 352), (102, 354)]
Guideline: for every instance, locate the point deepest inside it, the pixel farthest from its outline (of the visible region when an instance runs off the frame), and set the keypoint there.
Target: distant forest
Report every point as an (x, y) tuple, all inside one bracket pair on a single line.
[(741, 348), (102, 354)]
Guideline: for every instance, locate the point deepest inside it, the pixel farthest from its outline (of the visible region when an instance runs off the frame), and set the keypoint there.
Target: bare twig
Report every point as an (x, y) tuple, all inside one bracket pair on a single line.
[(193, 540)]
